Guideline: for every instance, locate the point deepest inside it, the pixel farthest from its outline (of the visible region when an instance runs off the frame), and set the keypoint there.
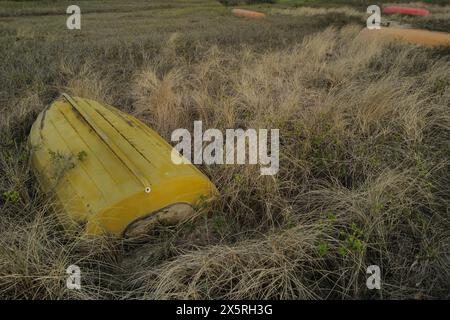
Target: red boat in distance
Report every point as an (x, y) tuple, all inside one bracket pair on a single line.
[(406, 10)]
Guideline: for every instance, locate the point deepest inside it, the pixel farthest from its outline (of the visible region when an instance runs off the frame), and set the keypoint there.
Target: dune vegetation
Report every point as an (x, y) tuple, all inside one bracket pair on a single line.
[(364, 151)]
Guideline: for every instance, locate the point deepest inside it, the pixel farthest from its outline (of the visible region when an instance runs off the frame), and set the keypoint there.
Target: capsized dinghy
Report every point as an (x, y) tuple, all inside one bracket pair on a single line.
[(111, 174), (248, 13), (416, 36), (406, 10)]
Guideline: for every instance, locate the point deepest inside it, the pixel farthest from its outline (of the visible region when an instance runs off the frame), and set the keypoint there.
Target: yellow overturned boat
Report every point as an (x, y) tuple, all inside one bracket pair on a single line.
[(414, 36), (111, 174)]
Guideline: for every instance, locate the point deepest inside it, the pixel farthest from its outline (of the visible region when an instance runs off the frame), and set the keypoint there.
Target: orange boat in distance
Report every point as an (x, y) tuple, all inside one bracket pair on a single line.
[(248, 13), (416, 36)]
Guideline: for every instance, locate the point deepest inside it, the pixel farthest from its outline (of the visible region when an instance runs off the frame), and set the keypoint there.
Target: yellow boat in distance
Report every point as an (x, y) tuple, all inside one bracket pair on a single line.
[(111, 174), (415, 36)]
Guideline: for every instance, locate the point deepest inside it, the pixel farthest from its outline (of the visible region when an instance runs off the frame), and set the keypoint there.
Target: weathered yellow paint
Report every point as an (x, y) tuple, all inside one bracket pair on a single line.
[(107, 168)]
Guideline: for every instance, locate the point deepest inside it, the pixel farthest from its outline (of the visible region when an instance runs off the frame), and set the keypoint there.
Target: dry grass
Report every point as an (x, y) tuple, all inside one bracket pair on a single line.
[(311, 11), (364, 167)]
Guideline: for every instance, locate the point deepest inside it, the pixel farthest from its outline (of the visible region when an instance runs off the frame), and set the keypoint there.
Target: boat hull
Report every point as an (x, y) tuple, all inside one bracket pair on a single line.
[(107, 169), (415, 36)]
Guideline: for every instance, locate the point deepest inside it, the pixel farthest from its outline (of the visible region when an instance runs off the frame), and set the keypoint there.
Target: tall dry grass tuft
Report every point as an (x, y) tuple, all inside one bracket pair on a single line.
[(35, 254), (157, 100), (85, 81), (258, 269)]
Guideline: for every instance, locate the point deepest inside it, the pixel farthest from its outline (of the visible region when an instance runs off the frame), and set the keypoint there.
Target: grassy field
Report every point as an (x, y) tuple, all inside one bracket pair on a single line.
[(364, 150)]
